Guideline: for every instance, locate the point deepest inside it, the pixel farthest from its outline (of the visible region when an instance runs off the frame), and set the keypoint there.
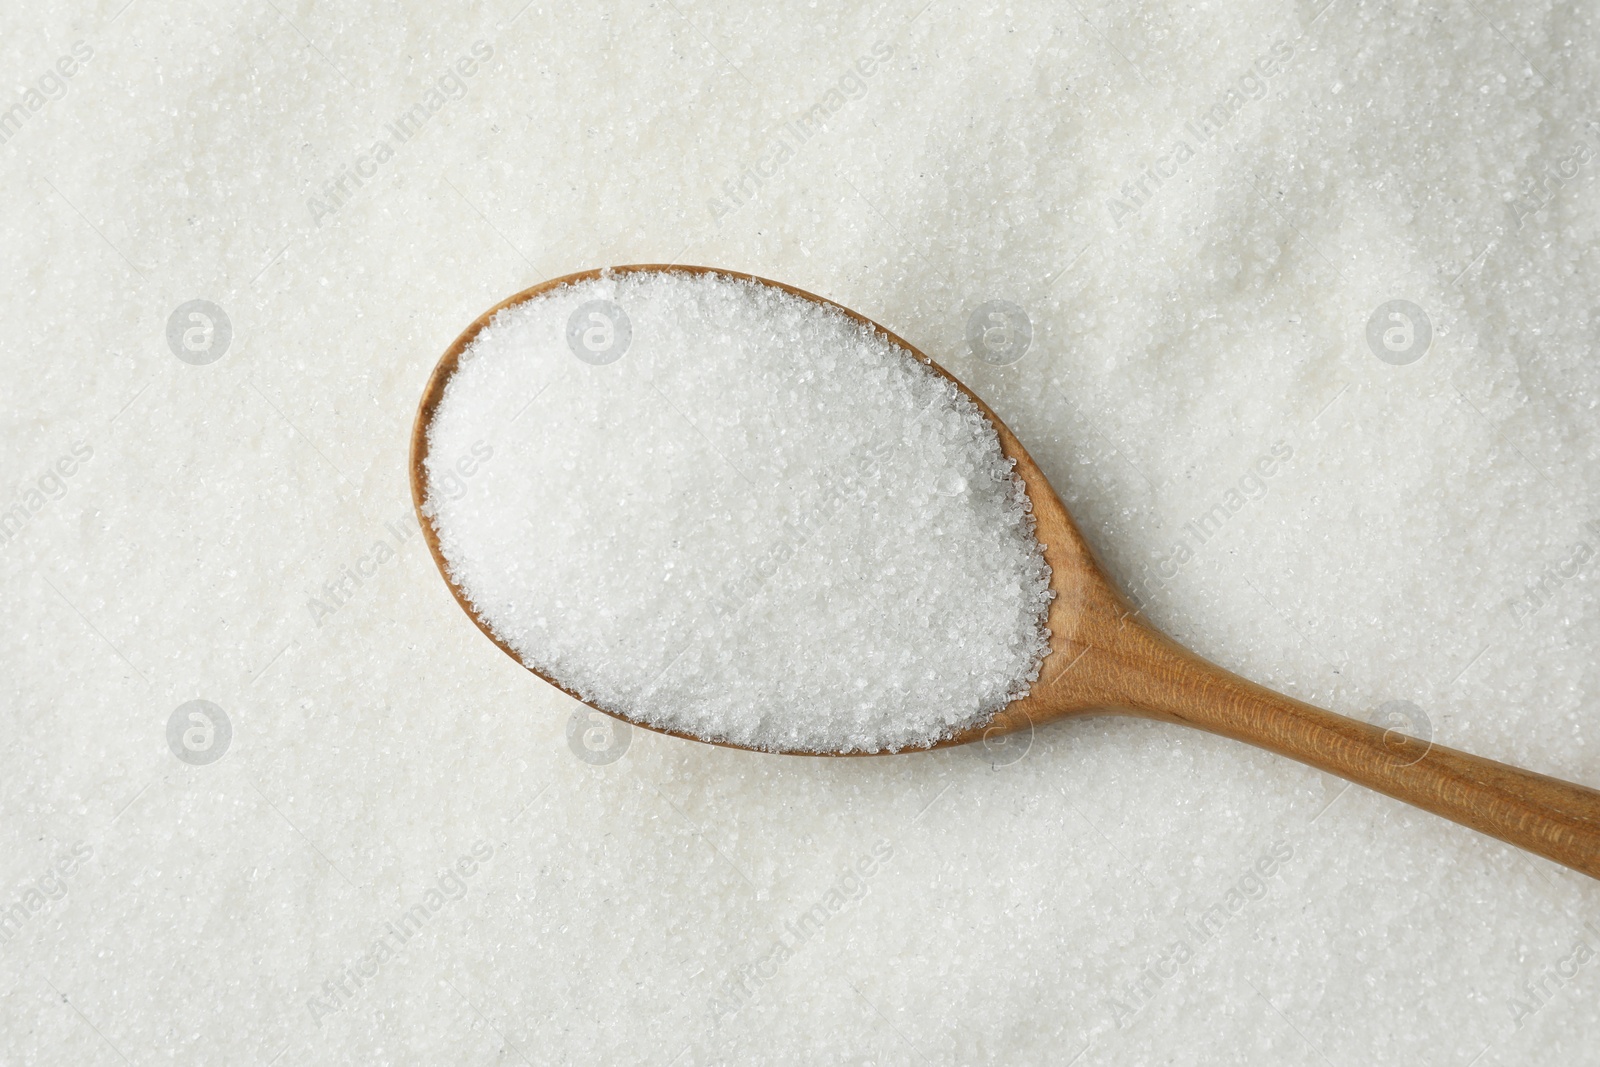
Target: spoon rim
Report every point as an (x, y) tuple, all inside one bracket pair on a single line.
[(433, 392)]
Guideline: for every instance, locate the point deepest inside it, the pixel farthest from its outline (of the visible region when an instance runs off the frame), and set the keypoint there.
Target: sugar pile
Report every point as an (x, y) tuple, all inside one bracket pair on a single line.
[(240, 532), (726, 510)]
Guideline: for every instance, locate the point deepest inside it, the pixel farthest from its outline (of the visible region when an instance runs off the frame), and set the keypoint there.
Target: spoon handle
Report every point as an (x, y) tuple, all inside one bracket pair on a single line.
[(1555, 819)]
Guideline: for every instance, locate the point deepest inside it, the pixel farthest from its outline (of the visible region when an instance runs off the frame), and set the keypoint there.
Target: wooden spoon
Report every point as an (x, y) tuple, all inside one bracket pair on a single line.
[(1104, 659)]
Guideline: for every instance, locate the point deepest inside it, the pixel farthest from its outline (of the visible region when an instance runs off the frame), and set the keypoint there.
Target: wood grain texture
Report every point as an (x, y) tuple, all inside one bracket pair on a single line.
[(1105, 659)]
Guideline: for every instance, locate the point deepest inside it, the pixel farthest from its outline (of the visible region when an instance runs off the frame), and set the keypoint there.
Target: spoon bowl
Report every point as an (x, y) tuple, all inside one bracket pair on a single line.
[(1104, 658)]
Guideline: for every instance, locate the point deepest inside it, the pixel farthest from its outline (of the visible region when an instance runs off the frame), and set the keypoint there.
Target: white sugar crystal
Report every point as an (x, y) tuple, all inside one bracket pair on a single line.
[(239, 531), (749, 517)]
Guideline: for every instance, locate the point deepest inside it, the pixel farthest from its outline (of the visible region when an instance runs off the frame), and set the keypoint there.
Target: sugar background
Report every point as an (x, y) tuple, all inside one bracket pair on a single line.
[(1030, 905)]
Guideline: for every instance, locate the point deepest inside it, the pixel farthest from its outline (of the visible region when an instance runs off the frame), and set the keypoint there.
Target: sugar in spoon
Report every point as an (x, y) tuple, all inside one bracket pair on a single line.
[(1105, 658)]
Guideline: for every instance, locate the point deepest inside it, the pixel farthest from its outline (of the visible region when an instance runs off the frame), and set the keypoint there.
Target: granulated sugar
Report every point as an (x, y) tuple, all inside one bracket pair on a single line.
[(239, 531), (729, 511)]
